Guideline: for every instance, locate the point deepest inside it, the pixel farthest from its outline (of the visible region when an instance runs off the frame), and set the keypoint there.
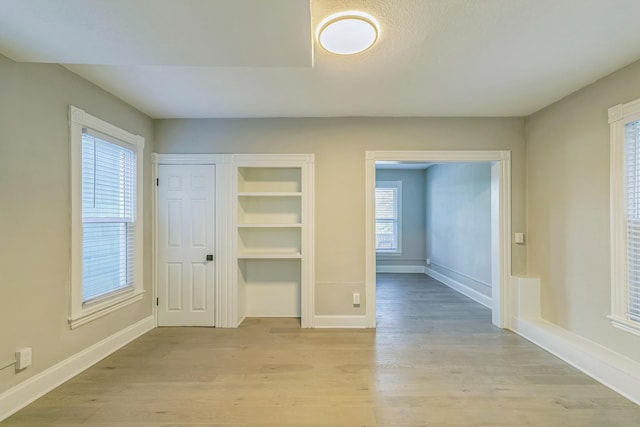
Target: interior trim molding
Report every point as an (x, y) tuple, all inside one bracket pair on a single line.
[(19, 396), (240, 322), (339, 321), (612, 369), (116, 303), (501, 245), (460, 287), (606, 366), (186, 159), (466, 276)]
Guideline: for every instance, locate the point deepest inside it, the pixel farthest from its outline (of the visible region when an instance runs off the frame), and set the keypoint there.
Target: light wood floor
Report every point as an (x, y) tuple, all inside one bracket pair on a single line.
[(435, 360)]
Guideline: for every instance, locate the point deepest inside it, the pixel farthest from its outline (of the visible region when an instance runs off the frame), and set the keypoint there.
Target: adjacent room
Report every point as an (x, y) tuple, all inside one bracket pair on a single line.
[(318, 212), (436, 219)]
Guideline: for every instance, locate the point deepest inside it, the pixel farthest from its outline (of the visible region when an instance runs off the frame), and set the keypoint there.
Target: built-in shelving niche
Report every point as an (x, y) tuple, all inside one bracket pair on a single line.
[(271, 225)]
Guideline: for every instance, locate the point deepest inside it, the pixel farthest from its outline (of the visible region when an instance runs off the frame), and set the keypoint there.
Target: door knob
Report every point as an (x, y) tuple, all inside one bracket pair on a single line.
[(209, 257)]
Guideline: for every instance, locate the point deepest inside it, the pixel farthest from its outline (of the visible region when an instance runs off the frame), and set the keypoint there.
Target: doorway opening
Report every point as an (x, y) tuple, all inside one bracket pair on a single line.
[(383, 238)]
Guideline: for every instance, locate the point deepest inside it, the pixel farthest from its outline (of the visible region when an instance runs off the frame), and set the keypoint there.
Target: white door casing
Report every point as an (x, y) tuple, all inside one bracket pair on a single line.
[(185, 236), (500, 230)]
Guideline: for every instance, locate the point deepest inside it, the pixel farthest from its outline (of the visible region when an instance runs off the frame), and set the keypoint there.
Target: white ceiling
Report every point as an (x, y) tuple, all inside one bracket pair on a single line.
[(259, 58)]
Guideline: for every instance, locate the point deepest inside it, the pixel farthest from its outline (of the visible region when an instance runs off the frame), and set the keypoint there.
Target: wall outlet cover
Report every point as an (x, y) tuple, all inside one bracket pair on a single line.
[(23, 358)]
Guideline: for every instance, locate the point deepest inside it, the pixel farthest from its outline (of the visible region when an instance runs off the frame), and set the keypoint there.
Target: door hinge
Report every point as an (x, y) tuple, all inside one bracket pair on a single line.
[(157, 182), (157, 301)]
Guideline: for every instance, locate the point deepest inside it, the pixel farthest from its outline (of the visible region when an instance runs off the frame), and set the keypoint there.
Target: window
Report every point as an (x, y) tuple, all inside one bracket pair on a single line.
[(106, 193), (388, 214), (625, 216)]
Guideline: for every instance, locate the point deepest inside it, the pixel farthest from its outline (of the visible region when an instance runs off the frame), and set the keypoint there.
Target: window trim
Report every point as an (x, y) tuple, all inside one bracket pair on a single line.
[(619, 116), (80, 313), (398, 186)]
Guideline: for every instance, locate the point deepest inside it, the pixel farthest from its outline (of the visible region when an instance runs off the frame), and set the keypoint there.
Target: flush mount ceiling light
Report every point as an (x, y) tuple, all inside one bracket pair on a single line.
[(347, 33)]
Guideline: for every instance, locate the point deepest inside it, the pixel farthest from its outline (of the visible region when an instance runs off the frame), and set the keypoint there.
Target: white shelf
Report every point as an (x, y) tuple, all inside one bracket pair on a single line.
[(263, 240), (270, 210), (249, 225), (270, 194), (269, 179)]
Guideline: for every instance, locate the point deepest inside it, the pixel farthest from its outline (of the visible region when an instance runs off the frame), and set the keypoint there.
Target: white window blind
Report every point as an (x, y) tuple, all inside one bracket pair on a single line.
[(632, 195), (387, 218), (108, 215)]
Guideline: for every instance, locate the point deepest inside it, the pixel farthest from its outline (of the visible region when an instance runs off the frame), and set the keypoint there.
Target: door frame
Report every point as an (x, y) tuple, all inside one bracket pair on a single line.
[(500, 229), (222, 174)]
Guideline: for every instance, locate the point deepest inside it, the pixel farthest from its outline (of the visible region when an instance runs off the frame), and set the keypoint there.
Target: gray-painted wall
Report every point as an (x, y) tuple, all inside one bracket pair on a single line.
[(458, 217), (568, 208), (339, 145), (35, 213), (413, 212)]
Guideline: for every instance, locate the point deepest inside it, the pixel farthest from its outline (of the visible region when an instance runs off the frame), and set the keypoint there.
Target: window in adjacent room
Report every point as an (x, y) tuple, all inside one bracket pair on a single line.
[(106, 194), (388, 214), (625, 216)]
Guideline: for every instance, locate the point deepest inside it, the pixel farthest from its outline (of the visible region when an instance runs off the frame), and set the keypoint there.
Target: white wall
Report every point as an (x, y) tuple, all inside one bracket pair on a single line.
[(339, 145), (412, 221), (458, 218), (568, 209), (35, 213)]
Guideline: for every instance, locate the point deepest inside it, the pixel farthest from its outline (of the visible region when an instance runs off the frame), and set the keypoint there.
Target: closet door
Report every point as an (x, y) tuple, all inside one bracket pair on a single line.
[(186, 261)]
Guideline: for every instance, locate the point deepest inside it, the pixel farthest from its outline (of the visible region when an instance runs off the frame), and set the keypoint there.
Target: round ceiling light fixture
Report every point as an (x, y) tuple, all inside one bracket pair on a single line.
[(347, 33)]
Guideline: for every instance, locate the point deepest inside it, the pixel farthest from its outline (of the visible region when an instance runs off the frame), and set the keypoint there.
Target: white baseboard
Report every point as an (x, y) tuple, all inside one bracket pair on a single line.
[(339, 322), (31, 389), (525, 298), (240, 321), (273, 316), (612, 369), (399, 269), (457, 286)]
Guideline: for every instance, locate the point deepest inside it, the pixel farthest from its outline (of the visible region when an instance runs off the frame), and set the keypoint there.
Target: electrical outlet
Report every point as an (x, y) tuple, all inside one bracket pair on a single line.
[(428, 261), (356, 299), (23, 358)]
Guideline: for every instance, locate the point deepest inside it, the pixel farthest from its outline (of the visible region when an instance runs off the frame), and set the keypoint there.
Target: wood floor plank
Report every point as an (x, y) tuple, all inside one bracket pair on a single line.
[(434, 360)]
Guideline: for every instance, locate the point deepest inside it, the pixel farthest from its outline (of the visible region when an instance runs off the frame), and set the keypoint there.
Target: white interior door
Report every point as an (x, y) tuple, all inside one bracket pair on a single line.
[(186, 195)]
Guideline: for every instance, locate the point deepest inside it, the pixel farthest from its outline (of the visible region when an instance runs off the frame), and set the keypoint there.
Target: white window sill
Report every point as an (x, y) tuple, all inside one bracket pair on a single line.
[(625, 325), (103, 308), (388, 254)]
